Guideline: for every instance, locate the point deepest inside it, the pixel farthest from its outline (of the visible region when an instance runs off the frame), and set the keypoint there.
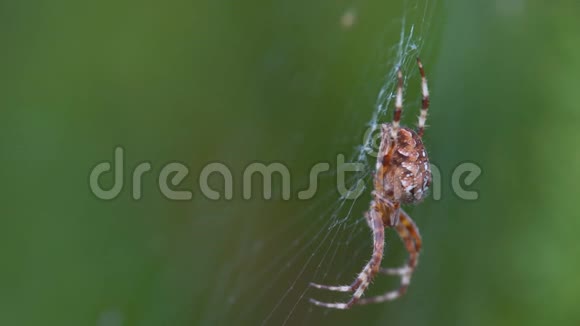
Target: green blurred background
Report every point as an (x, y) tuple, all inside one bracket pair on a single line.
[(285, 81)]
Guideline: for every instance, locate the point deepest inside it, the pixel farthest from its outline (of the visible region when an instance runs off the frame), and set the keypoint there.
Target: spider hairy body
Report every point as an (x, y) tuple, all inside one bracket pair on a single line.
[(402, 176)]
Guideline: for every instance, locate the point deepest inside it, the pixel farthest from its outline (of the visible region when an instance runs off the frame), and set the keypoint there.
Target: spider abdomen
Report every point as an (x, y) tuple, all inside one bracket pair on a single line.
[(409, 173)]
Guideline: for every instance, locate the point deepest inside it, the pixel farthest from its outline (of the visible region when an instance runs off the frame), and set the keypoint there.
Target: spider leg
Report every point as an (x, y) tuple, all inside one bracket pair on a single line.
[(369, 271), (425, 103), (398, 105), (409, 233)]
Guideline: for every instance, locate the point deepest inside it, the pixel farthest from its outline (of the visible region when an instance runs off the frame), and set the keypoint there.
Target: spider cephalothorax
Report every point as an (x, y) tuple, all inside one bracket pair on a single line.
[(402, 176)]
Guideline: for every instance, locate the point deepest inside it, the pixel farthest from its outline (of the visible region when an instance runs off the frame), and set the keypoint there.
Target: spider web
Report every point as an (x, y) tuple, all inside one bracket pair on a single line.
[(328, 242)]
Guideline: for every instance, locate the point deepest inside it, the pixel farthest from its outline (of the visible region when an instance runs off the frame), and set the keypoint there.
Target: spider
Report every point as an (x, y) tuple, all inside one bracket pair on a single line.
[(402, 176)]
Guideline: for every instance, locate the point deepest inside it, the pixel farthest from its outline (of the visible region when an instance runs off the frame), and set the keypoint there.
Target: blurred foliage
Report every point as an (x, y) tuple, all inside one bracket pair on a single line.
[(239, 82)]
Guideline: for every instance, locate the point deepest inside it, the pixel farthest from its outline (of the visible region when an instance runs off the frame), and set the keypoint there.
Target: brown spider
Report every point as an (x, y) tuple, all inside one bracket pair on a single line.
[(402, 176)]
